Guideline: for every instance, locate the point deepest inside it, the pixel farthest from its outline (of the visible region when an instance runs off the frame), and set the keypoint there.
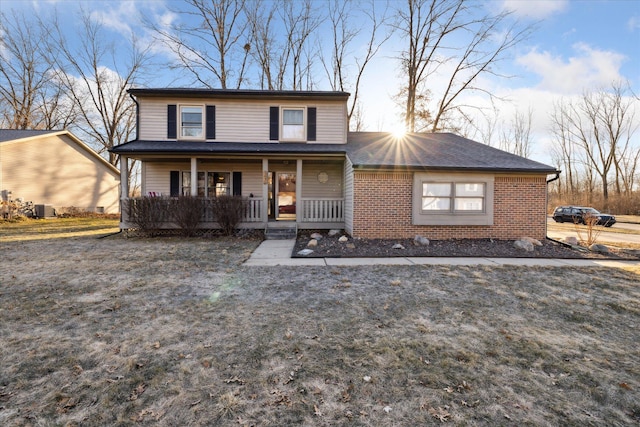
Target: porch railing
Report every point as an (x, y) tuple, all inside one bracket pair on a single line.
[(322, 210)]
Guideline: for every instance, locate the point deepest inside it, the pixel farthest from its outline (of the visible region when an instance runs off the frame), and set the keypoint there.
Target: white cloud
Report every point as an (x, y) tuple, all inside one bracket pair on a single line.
[(588, 68), (535, 9), (119, 19), (633, 23)]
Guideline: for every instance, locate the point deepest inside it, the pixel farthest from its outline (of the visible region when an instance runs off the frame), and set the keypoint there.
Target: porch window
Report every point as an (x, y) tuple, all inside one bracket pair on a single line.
[(293, 128), (191, 122), (210, 184)]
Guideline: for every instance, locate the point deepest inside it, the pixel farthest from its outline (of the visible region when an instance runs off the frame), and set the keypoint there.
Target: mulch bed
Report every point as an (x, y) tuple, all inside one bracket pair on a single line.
[(330, 247)]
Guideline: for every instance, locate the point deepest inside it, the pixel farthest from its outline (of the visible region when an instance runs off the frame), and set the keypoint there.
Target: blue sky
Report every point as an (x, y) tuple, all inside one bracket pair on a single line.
[(577, 45)]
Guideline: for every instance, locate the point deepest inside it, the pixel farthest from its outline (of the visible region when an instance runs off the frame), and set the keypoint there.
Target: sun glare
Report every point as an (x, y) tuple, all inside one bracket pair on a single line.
[(399, 131)]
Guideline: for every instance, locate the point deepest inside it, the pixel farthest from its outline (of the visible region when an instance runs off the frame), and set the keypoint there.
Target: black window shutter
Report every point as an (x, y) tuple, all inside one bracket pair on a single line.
[(211, 122), (311, 124), (172, 124), (274, 123), (237, 183), (174, 187)]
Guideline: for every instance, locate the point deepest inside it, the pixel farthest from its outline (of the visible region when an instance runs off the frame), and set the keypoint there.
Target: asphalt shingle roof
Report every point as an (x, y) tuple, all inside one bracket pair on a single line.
[(443, 151), (433, 151), (13, 134)]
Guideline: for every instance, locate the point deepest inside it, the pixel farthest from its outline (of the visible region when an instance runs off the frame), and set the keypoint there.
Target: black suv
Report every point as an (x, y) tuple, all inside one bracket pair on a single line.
[(579, 215)]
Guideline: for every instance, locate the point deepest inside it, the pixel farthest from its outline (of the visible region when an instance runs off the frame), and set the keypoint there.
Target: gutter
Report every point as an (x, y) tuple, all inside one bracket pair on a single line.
[(555, 178)]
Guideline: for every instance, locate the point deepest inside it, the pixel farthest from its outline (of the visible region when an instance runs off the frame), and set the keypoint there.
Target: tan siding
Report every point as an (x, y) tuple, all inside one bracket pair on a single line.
[(243, 121), (348, 196), (54, 170), (312, 188), (156, 176)]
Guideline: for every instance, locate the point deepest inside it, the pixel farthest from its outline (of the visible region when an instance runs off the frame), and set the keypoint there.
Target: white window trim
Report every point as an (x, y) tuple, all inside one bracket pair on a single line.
[(452, 216), (202, 124), (304, 123), (206, 172)]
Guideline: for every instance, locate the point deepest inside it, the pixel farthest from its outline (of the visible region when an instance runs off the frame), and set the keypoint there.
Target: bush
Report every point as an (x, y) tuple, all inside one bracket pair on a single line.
[(186, 212), (147, 213), (229, 211)]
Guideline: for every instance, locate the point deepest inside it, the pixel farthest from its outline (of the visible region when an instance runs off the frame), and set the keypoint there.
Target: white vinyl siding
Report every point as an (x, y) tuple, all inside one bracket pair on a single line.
[(244, 120), (55, 170)]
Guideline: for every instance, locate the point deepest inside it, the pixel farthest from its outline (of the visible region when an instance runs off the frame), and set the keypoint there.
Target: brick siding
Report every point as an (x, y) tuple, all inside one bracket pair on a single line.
[(382, 209)]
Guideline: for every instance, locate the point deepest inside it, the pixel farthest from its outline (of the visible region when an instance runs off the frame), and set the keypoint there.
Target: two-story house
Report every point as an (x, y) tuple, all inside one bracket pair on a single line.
[(291, 155)]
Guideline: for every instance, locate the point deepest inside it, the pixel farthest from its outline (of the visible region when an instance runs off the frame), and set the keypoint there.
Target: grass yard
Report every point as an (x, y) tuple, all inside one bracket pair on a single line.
[(171, 331)]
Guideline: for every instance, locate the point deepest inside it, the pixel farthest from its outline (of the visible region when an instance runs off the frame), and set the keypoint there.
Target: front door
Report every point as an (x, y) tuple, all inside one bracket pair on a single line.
[(285, 196)]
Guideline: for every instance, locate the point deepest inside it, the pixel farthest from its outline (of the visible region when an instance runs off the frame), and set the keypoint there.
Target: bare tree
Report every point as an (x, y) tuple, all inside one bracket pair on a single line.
[(260, 20), (96, 76), (212, 45), (517, 138), (601, 124), (450, 38), (29, 98), (342, 15)]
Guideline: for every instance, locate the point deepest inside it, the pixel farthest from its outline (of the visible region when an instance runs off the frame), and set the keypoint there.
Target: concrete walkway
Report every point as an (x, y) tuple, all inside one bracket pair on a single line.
[(278, 252)]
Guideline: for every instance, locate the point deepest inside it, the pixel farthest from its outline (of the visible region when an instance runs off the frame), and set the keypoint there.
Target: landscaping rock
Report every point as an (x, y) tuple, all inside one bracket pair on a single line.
[(597, 247), (343, 239), (523, 245), (421, 241), (573, 241), (316, 236), (312, 243), (397, 246), (333, 233), (305, 252), (351, 246), (534, 242)]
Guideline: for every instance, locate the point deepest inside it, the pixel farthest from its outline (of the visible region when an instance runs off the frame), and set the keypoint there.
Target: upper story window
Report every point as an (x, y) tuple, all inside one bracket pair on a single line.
[(191, 122), (293, 126)]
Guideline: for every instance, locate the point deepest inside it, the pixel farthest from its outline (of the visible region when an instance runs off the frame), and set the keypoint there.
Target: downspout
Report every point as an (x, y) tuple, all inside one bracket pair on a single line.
[(545, 223)]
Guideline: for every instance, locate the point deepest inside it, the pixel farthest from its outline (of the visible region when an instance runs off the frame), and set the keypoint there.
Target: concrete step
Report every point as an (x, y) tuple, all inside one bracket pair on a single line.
[(281, 231)]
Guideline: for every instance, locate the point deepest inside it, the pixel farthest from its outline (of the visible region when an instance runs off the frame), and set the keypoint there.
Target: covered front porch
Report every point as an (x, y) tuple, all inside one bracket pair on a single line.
[(307, 193)]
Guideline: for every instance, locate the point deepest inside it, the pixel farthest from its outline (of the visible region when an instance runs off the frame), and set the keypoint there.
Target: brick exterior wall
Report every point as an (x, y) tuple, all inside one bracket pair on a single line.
[(383, 201)]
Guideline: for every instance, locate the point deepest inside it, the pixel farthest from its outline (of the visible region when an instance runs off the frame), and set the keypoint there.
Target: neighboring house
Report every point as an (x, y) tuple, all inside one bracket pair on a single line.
[(290, 153), (56, 168)]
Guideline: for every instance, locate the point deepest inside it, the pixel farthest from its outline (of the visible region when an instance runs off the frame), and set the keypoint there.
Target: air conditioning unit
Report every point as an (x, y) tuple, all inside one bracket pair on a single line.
[(45, 211)]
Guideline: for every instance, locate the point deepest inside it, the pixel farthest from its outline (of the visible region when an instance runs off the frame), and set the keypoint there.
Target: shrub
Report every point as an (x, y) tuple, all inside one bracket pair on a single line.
[(229, 211), (186, 212), (147, 213)]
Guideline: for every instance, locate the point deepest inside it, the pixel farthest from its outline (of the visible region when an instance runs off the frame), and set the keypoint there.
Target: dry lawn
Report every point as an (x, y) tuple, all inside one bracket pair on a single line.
[(171, 332)]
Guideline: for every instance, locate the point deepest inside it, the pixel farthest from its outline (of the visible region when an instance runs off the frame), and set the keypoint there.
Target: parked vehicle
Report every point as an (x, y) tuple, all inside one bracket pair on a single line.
[(581, 215)]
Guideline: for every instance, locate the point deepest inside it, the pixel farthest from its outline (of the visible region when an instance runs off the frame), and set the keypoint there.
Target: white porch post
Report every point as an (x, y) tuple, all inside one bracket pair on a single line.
[(124, 177), (264, 209), (124, 188), (194, 176), (299, 209)]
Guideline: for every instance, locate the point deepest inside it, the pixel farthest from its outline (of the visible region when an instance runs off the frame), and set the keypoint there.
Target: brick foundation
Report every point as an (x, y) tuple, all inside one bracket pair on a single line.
[(382, 209)]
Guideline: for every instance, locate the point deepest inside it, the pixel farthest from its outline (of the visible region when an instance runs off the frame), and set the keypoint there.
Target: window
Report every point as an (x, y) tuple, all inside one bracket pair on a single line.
[(452, 197), (210, 184), (191, 122), (293, 124)]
